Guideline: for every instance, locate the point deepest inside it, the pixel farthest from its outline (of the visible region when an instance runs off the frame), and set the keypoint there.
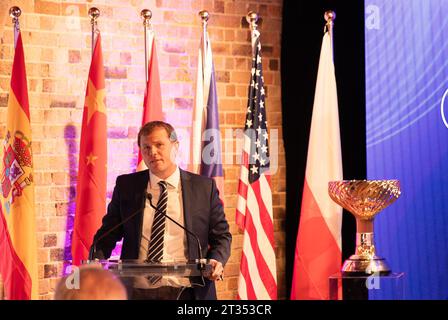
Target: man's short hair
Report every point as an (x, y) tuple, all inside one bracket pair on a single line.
[(149, 127), (95, 283)]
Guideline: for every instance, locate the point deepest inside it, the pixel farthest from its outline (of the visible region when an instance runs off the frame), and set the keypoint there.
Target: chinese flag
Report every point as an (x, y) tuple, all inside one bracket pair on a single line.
[(18, 244), (91, 187)]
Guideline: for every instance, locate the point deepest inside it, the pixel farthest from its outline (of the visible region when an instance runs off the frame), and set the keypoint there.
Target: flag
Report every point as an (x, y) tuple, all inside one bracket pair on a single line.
[(258, 275), (152, 103), (318, 247), (18, 242), (205, 150), (91, 186)]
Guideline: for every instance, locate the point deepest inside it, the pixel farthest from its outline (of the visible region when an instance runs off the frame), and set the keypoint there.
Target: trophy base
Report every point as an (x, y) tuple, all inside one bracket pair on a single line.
[(358, 265)]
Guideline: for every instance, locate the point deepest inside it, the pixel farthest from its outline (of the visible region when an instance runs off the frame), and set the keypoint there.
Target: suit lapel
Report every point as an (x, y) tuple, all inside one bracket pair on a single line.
[(187, 191), (140, 197)]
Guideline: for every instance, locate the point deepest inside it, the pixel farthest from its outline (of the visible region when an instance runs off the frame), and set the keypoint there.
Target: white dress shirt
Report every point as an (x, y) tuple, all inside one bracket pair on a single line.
[(175, 240)]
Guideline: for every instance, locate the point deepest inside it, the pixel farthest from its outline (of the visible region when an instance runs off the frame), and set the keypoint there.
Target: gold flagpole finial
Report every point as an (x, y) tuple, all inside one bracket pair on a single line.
[(252, 18), (94, 13), (204, 15), (329, 16), (15, 12), (146, 15)]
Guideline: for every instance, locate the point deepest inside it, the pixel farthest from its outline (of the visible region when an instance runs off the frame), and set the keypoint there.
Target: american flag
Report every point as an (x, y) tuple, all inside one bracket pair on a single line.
[(258, 275)]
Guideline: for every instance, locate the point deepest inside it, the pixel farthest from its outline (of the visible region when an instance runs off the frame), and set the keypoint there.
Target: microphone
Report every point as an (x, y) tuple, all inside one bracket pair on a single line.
[(201, 259), (92, 251)]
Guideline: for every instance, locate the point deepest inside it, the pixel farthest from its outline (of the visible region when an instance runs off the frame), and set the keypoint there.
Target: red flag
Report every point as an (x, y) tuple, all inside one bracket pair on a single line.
[(258, 273), (17, 281), (152, 103), (18, 245), (318, 248), (92, 174)]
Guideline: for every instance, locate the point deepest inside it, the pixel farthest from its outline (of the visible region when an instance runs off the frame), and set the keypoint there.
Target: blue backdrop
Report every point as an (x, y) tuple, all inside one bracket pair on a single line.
[(407, 137)]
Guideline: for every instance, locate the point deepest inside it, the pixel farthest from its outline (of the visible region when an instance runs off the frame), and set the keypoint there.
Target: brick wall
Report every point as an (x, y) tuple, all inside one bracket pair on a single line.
[(57, 42)]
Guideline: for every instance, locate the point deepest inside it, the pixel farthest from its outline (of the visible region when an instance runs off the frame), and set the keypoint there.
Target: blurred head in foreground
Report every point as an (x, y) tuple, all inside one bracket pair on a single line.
[(93, 283)]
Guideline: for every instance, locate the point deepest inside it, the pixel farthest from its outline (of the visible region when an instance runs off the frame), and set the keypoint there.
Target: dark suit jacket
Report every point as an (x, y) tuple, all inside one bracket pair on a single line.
[(203, 215)]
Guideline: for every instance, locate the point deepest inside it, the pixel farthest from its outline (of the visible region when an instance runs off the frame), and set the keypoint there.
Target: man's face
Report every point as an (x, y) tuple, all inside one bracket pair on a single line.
[(159, 152)]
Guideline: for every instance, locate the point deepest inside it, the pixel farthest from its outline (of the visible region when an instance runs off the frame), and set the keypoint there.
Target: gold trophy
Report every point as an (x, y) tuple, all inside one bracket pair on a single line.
[(364, 199)]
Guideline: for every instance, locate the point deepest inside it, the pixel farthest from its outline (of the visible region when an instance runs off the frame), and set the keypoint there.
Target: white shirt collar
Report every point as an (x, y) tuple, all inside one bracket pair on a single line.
[(172, 180)]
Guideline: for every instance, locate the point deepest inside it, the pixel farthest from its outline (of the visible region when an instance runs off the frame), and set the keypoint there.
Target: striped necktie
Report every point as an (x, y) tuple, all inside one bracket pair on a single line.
[(155, 250)]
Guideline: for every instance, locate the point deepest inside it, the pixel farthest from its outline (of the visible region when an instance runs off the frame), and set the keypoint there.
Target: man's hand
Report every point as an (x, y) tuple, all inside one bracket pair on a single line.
[(217, 270)]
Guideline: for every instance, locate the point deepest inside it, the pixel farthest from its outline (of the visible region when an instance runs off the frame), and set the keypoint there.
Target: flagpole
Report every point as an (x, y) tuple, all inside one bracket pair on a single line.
[(252, 18), (14, 13), (204, 17), (94, 13), (146, 14), (330, 16)]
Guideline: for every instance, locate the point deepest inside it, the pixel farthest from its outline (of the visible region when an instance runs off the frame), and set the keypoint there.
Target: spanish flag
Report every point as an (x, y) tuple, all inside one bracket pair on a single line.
[(18, 244), (92, 171)]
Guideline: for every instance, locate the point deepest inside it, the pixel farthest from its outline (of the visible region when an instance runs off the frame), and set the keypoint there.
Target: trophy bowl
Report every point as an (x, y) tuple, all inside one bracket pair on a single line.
[(364, 199)]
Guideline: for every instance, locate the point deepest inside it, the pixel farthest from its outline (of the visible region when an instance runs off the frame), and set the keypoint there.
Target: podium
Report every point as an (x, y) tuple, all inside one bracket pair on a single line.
[(367, 287), (140, 275)]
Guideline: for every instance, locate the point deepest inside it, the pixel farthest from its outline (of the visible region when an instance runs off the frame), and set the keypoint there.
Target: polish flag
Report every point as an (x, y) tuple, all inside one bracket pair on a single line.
[(318, 247)]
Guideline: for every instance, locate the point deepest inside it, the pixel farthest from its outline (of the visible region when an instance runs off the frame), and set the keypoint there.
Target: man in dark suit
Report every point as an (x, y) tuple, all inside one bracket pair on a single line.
[(190, 199)]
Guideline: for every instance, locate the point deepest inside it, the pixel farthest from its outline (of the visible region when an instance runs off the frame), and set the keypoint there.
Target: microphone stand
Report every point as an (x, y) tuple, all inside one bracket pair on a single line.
[(202, 261), (92, 251)]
